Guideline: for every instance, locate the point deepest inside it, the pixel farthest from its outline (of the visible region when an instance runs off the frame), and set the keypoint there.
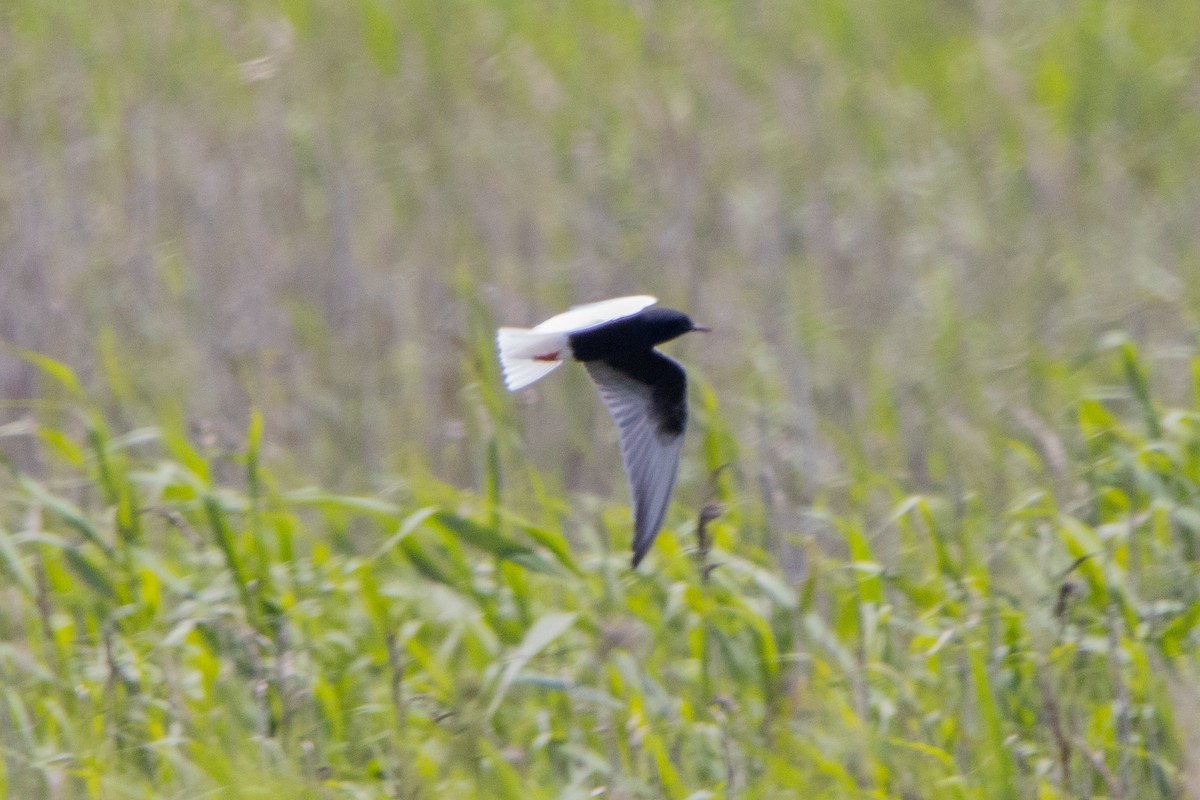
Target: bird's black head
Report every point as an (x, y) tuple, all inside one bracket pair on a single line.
[(664, 324)]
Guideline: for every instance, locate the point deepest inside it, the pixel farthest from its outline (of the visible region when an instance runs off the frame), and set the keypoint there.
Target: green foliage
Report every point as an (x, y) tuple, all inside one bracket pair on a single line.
[(238, 638)]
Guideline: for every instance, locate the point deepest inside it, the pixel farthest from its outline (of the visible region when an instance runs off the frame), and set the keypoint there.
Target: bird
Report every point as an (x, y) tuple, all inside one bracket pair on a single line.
[(644, 390)]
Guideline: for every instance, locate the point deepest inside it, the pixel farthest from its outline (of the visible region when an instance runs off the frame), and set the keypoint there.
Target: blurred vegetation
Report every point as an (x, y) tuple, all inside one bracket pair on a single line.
[(269, 523)]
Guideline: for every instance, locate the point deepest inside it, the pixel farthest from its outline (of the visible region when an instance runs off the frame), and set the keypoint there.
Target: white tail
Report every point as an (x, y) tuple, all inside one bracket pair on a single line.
[(529, 355)]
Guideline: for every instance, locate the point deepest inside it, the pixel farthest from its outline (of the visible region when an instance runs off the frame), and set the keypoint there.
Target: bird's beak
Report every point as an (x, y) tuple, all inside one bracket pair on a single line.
[(702, 328)]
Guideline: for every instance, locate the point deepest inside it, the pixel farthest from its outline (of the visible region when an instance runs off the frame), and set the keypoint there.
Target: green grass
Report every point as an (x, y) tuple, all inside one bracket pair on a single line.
[(269, 523), (178, 623)]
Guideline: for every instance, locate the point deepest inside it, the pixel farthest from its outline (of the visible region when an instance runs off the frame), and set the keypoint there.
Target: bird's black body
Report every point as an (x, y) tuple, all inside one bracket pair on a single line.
[(627, 345), (630, 335)]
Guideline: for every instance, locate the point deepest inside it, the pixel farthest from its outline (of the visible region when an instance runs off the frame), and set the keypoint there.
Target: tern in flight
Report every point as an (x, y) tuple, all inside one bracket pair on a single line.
[(645, 391)]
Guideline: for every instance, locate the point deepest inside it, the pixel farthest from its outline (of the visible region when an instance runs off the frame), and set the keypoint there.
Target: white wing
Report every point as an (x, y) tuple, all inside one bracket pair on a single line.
[(578, 318), (650, 455)]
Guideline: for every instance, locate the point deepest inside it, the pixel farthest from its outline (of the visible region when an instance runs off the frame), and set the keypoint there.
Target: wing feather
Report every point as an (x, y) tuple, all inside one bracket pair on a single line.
[(650, 451), (589, 315)]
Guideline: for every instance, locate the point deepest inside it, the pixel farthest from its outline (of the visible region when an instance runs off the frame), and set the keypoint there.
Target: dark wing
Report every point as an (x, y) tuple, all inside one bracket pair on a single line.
[(646, 393)]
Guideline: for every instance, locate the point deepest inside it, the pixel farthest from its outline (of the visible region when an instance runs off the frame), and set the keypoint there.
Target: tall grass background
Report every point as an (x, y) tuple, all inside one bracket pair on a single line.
[(270, 524)]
